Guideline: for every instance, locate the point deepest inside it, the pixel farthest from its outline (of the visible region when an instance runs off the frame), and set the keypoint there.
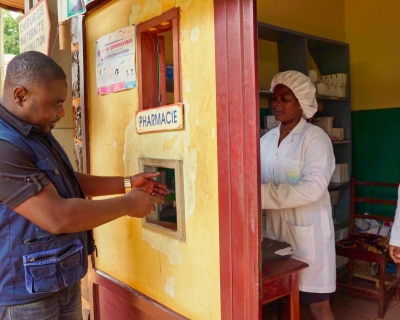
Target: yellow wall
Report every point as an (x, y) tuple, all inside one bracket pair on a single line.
[(184, 276), (372, 30), (320, 18)]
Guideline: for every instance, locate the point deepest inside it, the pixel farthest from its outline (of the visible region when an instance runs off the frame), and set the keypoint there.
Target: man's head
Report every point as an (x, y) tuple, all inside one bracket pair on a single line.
[(35, 89)]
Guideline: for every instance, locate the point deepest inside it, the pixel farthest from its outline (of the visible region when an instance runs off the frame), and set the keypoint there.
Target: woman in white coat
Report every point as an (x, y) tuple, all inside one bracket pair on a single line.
[(297, 163)]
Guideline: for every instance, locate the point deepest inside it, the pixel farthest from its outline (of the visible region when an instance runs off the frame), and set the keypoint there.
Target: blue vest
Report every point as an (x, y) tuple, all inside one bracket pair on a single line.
[(35, 263)]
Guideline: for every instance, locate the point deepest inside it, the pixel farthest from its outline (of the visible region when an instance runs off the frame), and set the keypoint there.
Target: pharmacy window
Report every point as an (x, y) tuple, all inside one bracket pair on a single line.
[(169, 217), (159, 81)]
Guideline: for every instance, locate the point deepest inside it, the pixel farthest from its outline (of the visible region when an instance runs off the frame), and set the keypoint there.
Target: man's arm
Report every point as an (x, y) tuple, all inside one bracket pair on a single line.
[(94, 186), (58, 215)]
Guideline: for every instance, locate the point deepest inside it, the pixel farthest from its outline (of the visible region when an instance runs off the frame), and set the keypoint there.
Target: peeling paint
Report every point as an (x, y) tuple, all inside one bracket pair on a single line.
[(169, 287), (139, 14), (169, 144), (184, 33), (164, 244), (197, 122), (135, 14), (115, 144), (194, 35), (186, 85), (213, 132)]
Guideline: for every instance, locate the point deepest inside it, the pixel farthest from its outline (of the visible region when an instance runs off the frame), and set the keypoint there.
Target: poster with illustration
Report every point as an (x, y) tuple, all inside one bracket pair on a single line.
[(70, 8), (115, 61)]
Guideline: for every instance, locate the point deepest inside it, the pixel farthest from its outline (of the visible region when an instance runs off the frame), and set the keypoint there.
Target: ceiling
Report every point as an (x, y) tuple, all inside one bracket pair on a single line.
[(13, 5)]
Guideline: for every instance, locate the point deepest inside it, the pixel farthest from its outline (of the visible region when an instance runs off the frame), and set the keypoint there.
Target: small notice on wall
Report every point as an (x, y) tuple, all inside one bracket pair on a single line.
[(115, 61), (34, 29), (164, 118), (71, 8)]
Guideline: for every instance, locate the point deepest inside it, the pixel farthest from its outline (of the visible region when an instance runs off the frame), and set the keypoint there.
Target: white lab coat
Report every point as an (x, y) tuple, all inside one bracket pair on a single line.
[(294, 190), (395, 233)]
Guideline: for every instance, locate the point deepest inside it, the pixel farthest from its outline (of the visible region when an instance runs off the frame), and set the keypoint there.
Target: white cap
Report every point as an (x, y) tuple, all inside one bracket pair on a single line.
[(302, 87)]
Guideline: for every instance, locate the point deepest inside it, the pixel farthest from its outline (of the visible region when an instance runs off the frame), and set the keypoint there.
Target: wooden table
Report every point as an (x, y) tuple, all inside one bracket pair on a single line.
[(280, 277)]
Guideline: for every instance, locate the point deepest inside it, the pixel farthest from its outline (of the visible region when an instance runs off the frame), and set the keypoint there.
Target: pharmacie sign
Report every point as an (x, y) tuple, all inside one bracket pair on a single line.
[(164, 118), (34, 29)]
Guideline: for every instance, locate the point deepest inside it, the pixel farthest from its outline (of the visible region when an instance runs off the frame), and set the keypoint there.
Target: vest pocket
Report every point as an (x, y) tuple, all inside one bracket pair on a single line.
[(53, 270), (42, 279)]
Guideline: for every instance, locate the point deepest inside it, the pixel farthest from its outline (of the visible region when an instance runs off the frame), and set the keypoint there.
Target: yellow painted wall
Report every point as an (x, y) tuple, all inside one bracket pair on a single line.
[(184, 276), (319, 18), (372, 29)]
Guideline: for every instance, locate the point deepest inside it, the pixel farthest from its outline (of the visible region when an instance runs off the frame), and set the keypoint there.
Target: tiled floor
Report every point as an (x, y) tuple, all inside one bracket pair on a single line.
[(346, 306)]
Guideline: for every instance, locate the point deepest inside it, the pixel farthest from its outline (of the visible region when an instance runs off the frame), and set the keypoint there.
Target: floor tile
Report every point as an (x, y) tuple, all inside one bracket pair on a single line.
[(343, 314), (363, 306), (392, 314)]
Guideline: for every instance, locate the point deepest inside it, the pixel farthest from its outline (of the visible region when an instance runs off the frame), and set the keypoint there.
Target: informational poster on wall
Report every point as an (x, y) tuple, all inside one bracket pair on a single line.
[(115, 61), (34, 29), (70, 8)]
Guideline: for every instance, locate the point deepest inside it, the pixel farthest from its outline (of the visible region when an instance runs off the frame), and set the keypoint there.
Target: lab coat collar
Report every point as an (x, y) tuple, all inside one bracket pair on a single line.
[(296, 130)]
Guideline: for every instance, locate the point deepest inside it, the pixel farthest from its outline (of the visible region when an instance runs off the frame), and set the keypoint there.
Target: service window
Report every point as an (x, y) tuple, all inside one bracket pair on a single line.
[(169, 217), (159, 80)]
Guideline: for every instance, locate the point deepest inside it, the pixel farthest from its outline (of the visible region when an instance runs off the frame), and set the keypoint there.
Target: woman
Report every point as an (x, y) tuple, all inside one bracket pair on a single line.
[(297, 163)]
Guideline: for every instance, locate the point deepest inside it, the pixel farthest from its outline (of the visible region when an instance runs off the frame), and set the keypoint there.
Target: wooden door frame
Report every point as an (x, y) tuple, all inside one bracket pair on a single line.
[(238, 127)]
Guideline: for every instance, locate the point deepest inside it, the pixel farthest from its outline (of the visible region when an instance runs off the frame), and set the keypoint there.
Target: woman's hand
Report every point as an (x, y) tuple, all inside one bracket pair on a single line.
[(394, 253), (146, 181)]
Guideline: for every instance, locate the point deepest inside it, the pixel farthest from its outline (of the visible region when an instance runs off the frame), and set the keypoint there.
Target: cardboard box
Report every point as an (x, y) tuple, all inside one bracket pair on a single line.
[(325, 123), (341, 173), (337, 133)]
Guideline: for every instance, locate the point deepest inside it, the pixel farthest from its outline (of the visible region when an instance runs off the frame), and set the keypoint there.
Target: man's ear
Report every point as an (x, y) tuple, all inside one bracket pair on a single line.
[(19, 95)]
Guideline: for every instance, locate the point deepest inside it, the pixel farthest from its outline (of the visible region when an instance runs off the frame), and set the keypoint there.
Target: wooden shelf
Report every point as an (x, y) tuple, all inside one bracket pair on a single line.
[(341, 142), (338, 185), (328, 98)]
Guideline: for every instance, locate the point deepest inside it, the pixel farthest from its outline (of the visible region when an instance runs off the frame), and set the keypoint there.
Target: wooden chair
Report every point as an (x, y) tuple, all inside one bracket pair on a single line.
[(369, 247)]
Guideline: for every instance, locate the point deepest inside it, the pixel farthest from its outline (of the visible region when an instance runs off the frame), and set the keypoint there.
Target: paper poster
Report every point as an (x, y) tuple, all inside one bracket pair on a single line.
[(71, 8), (115, 61)]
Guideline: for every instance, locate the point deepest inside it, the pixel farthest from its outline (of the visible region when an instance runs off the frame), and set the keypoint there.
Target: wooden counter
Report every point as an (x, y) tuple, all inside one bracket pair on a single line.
[(280, 277)]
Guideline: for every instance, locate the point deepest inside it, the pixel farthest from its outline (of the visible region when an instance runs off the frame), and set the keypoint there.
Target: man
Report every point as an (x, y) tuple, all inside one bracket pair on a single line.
[(45, 220)]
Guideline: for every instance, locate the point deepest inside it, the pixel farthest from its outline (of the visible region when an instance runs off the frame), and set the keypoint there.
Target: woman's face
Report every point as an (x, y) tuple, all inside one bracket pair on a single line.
[(285, 105)]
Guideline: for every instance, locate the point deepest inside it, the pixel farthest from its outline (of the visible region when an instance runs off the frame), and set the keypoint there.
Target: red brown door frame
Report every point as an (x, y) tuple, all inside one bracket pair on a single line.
[(238, 154)]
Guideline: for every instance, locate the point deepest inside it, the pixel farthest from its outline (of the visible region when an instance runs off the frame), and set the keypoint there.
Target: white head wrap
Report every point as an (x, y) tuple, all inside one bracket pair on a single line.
[(302, 87)]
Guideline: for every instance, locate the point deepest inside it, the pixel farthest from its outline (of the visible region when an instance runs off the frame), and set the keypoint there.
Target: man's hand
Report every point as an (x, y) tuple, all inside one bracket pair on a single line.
[(142, 203), (394, 253), (145, 181)]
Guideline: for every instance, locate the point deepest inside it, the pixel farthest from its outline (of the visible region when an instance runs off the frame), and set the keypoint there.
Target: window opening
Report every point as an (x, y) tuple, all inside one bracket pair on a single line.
[(158, 61), (169, 217)]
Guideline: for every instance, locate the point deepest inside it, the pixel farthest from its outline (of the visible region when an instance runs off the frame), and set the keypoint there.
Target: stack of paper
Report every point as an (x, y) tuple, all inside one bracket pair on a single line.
[(285, 251)]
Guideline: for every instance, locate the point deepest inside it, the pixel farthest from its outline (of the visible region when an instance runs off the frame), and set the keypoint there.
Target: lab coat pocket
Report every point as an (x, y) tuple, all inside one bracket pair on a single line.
[(291, 171), (302, 241)]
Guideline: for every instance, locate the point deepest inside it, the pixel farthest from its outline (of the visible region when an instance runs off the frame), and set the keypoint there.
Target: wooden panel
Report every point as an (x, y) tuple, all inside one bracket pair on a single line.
[(162, 71), (238, 154), (148, 84), (114, 300)]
